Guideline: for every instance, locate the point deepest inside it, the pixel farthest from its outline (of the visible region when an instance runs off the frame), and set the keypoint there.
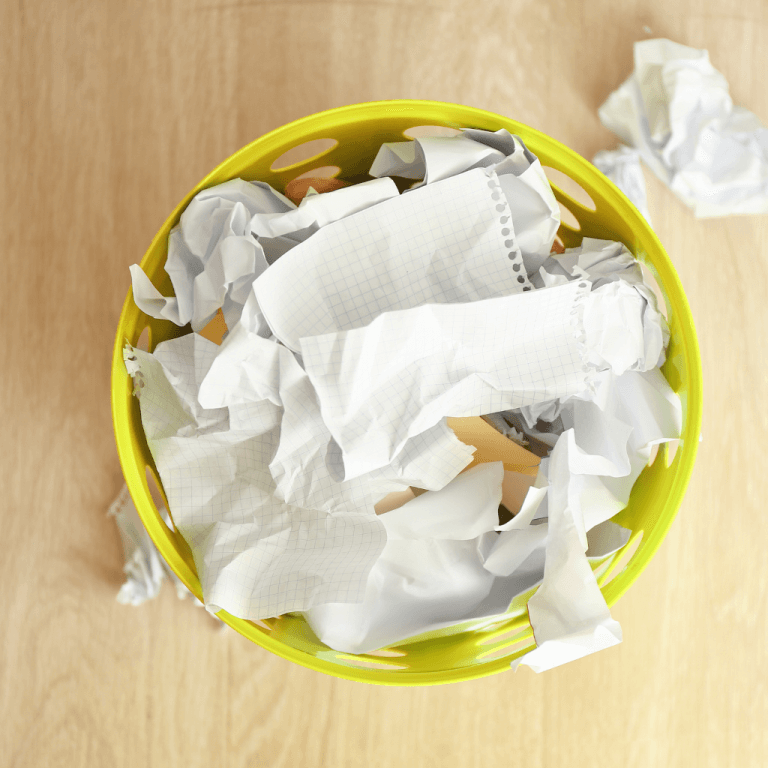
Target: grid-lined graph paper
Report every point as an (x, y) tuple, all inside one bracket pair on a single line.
[(256, 555), (384, 383), (451, 241)]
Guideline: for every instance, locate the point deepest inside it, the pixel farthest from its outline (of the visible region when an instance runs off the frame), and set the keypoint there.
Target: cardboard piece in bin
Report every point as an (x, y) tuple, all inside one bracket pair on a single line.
[(520, 465)]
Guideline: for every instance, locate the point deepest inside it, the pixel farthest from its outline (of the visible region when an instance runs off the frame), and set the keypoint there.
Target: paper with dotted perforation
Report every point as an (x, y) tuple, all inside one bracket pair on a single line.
[(451, 241)]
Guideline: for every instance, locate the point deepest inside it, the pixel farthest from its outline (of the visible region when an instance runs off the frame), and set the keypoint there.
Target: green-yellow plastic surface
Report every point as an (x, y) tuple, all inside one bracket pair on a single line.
[(476, 648)]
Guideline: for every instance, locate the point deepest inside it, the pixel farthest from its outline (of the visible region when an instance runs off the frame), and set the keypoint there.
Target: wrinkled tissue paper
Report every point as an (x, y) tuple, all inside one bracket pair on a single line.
[(359, 322)]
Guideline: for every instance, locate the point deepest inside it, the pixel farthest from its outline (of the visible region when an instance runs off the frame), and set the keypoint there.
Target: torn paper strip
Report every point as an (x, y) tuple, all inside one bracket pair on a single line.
[(568, 613), (593, 468)]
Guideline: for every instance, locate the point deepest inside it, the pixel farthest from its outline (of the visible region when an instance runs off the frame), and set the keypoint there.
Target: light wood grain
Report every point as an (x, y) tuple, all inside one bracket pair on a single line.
[(110, 112)]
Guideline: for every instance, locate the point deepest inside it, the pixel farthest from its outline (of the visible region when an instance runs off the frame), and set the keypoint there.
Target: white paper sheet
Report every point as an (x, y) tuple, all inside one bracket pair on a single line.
[(319, 210), (256, 556), (464, 509), (441, 243), (675, 109), (432, 575), (535, 214), (434, 158), (466, 360), (592, 470), (568, 613), (306, 465), (430, 572), (518, 538), (622, 167)]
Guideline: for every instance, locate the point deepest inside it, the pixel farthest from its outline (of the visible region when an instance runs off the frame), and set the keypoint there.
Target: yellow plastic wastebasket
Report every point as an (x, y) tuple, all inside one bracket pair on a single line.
[(476, 648)]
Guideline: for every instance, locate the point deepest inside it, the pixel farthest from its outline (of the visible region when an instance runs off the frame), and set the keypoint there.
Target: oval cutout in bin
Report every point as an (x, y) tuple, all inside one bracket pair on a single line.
[(367, 664), (652, 283), (572, 188), (263, 624), (624, 558), (567, 217), (386, 653), (143, 340), (303, 153), (506, 649), (324, 172), (671, 451), (154, 491), (424, 131)]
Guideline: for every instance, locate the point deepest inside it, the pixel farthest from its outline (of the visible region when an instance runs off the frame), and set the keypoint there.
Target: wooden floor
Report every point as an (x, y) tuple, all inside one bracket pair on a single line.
[(110, 113)]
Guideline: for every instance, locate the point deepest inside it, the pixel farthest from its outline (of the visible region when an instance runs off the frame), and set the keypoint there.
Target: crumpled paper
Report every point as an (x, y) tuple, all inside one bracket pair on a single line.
[(252, 441), (442, 243), (676, 110), (534, 212), (564, 523), (468, 359), (431, 570), (145, 570), (603, 439), (230, 233), (307, 464), (602, 262), (592, 469), (256, 555)]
